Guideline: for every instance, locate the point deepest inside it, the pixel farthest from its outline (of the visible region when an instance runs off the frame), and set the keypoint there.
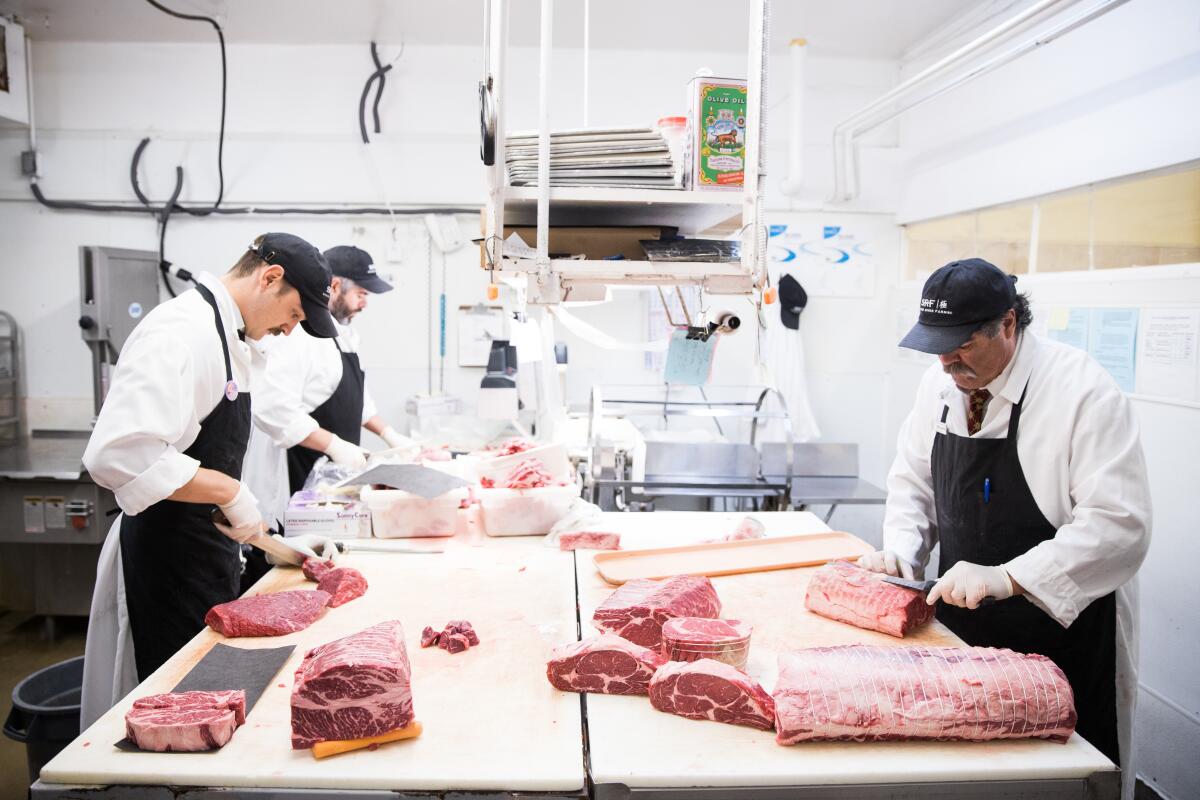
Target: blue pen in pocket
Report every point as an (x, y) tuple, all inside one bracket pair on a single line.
[(987, 489)]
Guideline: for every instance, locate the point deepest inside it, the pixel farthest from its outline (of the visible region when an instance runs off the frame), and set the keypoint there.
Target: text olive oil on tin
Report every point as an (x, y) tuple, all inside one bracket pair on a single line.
[(718, 128)]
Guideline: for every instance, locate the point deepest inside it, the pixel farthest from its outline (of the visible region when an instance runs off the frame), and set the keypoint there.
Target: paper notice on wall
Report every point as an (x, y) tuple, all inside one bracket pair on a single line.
[(35, 515), (1112, 341), (833, 260), (689, 361), (477, 327), (1167, 354)]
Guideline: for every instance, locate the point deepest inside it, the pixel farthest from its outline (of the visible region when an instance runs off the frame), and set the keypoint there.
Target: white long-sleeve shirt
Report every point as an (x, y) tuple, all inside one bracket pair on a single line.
[(302, 372), (1079, 448), (169, 377)]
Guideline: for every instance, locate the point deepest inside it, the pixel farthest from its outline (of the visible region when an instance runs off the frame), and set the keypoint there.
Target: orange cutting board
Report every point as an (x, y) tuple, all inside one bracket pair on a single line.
[(730, 558)]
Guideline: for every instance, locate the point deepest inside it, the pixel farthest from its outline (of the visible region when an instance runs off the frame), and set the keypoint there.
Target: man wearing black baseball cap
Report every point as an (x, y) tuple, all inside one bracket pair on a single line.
[(315, 399), (169, 442), (1022, 459)]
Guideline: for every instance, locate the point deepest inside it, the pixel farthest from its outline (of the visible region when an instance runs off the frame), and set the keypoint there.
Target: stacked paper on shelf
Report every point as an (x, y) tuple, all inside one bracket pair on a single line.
[(630, 158)]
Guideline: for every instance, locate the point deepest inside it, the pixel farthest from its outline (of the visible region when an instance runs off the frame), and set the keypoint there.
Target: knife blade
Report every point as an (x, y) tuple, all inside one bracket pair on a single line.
[(925, 586), (353, 546)]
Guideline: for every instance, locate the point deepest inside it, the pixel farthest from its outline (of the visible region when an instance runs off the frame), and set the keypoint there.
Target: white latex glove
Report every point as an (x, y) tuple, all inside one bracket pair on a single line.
[(312, 545), (394, 438), (244, 518), (887, 561), (344, 454), (966, 584)]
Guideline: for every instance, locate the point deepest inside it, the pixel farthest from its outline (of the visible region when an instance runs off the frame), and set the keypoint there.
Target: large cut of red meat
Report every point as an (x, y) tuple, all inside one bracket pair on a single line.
[(275, 614), (604, 664), (353, 687), (848, 593), (866, 693), (639, 608), (343, 584), (708, 689), (185, 721)]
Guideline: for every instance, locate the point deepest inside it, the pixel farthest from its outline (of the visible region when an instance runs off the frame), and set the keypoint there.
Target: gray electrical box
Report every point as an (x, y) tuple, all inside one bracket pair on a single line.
[(117, 288)]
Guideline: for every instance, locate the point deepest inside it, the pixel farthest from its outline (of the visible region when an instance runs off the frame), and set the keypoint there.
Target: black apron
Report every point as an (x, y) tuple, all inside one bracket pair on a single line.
[(176, 564), (1003, 527), (341, 415)]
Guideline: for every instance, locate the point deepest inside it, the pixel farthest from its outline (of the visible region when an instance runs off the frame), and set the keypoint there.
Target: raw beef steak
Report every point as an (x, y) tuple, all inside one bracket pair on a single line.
[(866, 693), (589, 540), (639, 608), (605, 664), (315, 568), (343, 584), (708, 689), (185, 721), (275, 614), (353, 687), (694, 638), (848, 593)]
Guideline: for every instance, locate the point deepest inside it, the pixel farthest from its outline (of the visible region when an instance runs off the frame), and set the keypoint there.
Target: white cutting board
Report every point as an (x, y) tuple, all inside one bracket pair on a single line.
[(632, 744), (491, 719)]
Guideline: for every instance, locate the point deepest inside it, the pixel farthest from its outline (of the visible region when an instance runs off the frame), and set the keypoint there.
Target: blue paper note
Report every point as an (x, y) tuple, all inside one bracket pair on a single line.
[(1112, 341), (1073, 329), (689, 361)]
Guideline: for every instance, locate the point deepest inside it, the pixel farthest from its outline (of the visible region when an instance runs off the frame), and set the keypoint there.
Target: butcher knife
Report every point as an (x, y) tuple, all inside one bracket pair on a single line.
[(276, 548), (925, 586), (359, 546)]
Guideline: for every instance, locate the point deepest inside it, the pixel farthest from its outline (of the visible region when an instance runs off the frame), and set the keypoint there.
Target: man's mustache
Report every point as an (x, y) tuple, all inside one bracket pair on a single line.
[(960, 369)]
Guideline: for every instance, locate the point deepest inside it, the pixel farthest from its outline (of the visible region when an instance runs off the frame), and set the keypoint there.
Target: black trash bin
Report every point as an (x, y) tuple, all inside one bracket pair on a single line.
[(45, 712)]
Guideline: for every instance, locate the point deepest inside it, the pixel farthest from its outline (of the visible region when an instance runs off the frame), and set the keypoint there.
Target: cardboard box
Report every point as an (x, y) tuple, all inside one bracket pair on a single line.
[(716, 157), (597, 243), (337, 519)]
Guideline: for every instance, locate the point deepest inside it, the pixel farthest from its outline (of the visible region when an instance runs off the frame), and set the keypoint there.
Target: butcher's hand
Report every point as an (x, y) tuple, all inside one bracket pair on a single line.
[(310, 545), (344, 454), (887, 561), (394, 438), (243, 521), (966, 585)]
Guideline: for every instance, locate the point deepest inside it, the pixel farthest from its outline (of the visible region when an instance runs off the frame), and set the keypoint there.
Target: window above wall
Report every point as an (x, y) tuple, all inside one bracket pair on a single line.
[(1140, 221)]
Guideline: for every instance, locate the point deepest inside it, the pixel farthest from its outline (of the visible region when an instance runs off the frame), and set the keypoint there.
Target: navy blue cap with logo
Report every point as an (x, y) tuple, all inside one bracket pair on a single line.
[(959, 299), (305, 269), (353, 263)]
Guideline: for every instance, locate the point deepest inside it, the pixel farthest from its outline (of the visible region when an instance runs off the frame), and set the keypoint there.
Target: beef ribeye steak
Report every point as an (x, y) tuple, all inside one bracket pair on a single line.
[(353, 687), (185, 721), (638, 609), (604, 664)]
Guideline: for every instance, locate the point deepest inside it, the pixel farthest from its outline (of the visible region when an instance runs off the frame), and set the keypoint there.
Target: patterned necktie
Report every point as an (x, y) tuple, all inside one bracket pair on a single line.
[(977, 400)]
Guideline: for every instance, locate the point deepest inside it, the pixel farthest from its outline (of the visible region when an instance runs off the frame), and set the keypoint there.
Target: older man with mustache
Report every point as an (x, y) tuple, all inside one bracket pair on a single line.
[(1021, 458)]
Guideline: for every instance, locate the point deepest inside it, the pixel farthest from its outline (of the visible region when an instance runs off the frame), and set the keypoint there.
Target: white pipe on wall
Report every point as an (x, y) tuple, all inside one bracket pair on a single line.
[(845, 179), (797, 54)]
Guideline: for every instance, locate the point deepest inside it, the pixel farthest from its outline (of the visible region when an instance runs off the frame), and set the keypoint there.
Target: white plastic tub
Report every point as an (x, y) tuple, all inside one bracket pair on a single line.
[(401, 515), (524, 512), (553, 458)]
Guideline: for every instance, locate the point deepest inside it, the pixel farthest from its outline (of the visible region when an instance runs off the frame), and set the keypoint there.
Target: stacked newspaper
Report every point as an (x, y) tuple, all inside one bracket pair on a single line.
[(631, 158)]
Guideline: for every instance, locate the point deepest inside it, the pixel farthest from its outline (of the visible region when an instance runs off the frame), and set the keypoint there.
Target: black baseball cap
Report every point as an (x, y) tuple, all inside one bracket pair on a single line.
[(792, 300), (958, 299), (348, 261), (306, 269)]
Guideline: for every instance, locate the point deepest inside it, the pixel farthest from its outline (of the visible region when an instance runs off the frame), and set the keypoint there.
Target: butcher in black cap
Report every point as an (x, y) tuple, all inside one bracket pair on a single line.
[(169, 442), (315, 400), (1022, 460)]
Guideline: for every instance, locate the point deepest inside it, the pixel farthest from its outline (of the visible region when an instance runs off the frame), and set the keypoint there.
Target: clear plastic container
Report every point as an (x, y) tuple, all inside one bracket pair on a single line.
[(402, 515), (524, 512), (674, 131), (553, 458), (732, 648)]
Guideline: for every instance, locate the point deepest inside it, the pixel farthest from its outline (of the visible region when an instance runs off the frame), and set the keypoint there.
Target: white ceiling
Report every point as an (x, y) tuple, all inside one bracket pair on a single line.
[(857, 28)]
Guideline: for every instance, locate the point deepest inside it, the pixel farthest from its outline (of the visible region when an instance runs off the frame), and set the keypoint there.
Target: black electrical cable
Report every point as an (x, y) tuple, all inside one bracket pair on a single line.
[(224, 87), (163, 218), (362, 101), (379, 86)]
